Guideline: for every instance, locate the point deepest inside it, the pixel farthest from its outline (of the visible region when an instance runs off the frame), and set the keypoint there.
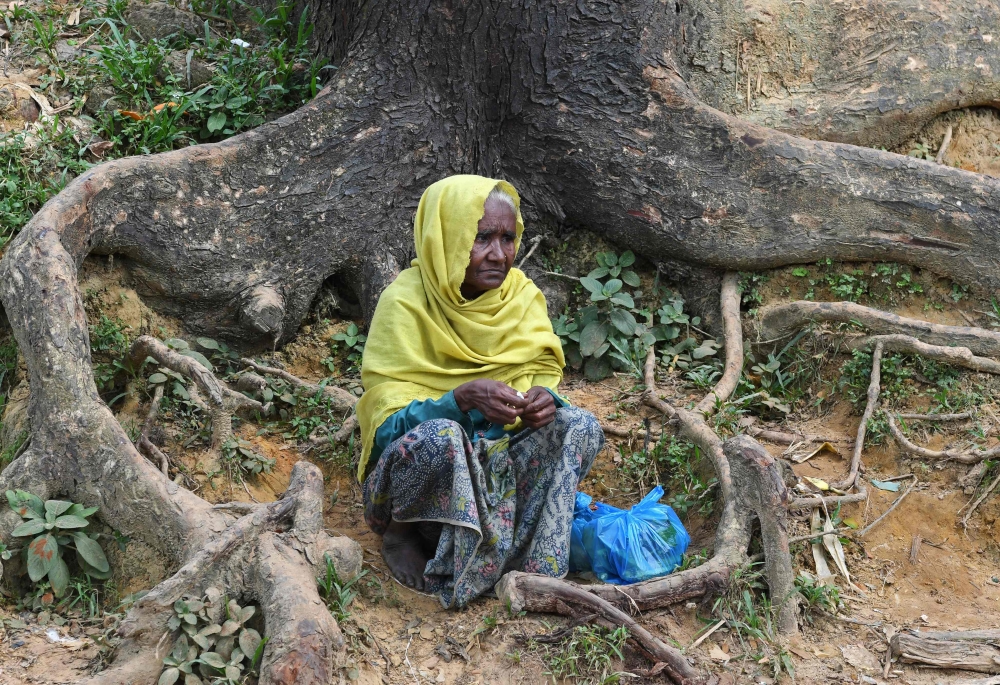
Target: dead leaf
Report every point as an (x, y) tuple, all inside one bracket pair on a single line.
[(824, 447), (131, 115), (860, 658), (74, 18), (797, 647), (817, 483), (717, 654), (823, 573), (160, 106), (825, 651), (426, 633)]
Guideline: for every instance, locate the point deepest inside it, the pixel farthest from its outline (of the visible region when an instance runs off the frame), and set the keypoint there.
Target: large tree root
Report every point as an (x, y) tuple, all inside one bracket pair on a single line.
[(785, 319)]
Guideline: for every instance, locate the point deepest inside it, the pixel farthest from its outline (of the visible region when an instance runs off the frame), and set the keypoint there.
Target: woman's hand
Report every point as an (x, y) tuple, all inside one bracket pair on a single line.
[(497, 401), (541, 409)]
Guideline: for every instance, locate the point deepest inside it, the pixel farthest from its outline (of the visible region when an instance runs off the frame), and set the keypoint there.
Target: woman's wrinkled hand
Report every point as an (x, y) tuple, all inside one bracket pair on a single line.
[(541, 409), (497, 401)]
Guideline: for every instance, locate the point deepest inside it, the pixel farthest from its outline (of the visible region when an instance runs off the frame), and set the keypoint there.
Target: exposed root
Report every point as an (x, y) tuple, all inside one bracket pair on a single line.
[(784, 319), (936, 417), (814, 502), (874, 387), (961, 456), (266, 556), (342, 400), (733, 333), (782, 438), (958, 356), (144, 444), (531, 592)]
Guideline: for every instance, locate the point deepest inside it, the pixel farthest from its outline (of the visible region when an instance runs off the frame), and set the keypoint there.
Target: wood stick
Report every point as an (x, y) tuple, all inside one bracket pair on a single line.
[(915, 548), (936, 417), (531, 592), (944, 146), (535, 242), (704, 636), (899, 500), (992, 486)]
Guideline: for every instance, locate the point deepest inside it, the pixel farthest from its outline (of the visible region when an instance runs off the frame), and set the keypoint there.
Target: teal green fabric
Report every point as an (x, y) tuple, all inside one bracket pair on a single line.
[(416, 412)]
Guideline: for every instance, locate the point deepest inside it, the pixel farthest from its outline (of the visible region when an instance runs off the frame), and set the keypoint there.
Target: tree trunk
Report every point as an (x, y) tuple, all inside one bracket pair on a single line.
[(582, 106)]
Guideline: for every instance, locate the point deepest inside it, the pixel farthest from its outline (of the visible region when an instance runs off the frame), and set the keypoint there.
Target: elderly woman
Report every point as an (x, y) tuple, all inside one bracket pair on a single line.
[(476, 458)]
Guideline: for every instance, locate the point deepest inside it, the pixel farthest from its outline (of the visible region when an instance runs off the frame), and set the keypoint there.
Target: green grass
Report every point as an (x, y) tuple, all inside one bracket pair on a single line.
[(585, 656)]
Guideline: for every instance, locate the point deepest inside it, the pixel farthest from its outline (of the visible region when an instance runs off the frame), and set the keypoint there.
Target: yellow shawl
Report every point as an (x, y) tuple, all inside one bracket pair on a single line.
[(426, 339)]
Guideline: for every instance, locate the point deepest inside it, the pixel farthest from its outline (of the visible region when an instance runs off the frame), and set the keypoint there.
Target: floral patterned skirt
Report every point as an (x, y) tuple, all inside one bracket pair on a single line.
[(502, 507)]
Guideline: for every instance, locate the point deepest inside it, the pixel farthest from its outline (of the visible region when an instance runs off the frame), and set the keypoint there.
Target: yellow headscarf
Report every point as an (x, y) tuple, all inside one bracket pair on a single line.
[(426, 339)]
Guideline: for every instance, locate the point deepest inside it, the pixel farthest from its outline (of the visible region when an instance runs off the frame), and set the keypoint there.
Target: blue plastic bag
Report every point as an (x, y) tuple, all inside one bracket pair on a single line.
[(623, 547)]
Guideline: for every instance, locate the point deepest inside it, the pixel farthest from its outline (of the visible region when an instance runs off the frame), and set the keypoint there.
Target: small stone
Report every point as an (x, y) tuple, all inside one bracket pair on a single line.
[(176, 63), (425, 633), (395, 660), (430, 663), (29, 110), (66, 51), (160, 20), (100, 99)]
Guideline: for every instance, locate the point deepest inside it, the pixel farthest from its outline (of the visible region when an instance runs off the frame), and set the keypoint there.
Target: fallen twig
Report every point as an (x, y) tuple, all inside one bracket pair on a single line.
[(990, 488), (939, 158), (864, 531)]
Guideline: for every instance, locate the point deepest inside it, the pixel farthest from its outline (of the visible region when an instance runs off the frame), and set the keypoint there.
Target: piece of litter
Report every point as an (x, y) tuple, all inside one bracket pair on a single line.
[(717, 654), (824, 447), (817, 483), (239, 43), (886, 485)]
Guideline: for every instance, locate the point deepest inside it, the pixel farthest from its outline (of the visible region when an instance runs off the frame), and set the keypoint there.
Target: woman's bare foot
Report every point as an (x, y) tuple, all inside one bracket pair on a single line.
[(404, 554)]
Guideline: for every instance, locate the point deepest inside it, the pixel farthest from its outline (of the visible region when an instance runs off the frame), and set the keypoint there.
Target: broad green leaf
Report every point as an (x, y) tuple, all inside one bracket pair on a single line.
[(599, 272), (703, 351), (57, 506), (233, 672), (192, 679), (601, 258), (246, 613), (181, 391), (207, 343), (611, 287), (591, 284), (224, 646), (592, 337), (26, 504), (210, 629), (597, 369), (176, 344), (213, 660), (68, 521), (601, 350), (156, 379), (249, 639), (31, 527), (190, 619), (631, 277), (610, 259), (201, 640), (91, 552), (199, 357), (230, 627), (624, 299), (169, 676), (216, 122), (624, 321), (627, 259), (41, 556), (59, 576)]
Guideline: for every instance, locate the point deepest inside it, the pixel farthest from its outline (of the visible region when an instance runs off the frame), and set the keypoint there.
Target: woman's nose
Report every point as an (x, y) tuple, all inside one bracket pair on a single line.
[(496, 252)]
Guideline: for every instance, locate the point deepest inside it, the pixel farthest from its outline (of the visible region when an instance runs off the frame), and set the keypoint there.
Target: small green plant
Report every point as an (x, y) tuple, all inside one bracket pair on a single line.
[(224, 653), (585, 656), (338, 595), (240, 453), (58, 526), (816, 597), (354, 342), (921, 151)]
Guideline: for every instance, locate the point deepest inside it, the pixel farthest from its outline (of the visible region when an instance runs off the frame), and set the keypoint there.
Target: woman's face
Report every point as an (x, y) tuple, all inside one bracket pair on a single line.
[(492, 253)]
